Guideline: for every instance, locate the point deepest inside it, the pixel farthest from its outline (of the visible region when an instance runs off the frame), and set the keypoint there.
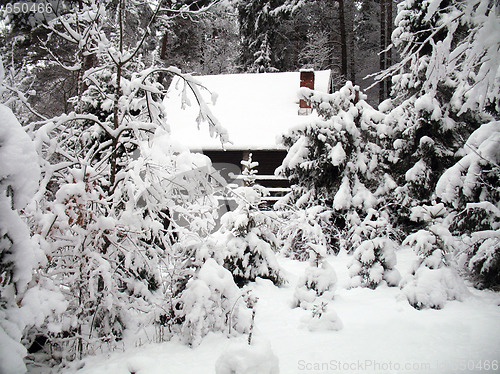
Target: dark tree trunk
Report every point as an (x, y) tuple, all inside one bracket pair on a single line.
[(343, 39), (163, 50), (388, 61), (163, 54), (163, 45), (352, 44), (383, 43)]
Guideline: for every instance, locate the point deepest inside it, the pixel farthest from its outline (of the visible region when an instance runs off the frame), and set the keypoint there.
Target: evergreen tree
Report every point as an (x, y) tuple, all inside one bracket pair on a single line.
[(206, 42), (445, 92), (434, 115), (318, 282), (470, 188), (373, 262), (306, 227), (336, 161), (28, 49), (246, 242), (434, 279), (258, 34)]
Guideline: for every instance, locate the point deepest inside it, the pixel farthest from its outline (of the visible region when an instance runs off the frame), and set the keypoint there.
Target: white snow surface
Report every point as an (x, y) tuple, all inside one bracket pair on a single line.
[(381, 333), (257, 358), (254, 108)]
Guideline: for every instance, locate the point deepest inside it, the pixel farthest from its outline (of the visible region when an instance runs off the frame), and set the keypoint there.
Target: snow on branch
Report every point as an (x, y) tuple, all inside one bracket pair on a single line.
[(205, 114), (468, 64)]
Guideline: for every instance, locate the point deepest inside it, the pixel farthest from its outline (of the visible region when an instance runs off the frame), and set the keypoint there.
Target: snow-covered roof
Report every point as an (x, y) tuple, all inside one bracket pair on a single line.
[(254, 108)]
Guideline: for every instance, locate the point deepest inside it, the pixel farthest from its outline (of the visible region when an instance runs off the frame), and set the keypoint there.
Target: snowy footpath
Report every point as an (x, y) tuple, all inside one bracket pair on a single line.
[(381, 333)]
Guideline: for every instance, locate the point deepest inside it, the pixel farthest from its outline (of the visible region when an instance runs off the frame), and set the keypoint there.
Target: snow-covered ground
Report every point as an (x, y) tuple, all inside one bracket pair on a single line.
[(381, 333)]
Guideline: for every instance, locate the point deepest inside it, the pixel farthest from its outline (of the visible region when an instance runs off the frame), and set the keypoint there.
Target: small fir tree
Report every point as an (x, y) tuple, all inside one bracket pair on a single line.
[(434, 279), (246, 242), (373, 262), (212, 302), (318, 282), (304, 227)]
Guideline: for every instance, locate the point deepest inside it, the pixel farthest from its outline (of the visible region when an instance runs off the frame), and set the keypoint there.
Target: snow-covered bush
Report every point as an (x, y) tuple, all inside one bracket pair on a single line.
[(374, 261), (318, 282), (246, 243), (433, 280), (304, 226), (212, 302), (118, 202), (433, 287), (256, 358)]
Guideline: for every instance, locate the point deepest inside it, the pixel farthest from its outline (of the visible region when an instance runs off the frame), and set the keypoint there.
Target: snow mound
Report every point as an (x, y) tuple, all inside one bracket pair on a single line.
[(257, 358), (11, 352), (328, 321)]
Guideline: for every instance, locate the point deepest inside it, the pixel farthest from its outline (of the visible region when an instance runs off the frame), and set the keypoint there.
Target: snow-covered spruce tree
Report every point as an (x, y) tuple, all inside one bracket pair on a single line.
[(105, 220), (446, 87), (373, 262), (263, 61), (337, 162), (246, 242), (315, 290), (258, 33)]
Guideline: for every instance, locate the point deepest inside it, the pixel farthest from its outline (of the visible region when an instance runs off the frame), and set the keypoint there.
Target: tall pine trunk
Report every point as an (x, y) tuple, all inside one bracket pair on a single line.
[(383, 43), (388, 61), (352, 43), (343, 39)]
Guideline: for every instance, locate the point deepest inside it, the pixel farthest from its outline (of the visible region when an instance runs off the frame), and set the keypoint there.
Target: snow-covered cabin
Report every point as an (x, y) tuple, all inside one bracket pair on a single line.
[(255, 109)]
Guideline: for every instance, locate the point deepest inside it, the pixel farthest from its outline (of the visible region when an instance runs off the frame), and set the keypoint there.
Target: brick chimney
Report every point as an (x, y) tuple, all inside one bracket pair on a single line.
[(306, 80)]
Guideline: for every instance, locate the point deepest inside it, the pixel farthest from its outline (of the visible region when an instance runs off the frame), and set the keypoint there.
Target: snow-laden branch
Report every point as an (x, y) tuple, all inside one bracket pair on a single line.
[(466, 63)]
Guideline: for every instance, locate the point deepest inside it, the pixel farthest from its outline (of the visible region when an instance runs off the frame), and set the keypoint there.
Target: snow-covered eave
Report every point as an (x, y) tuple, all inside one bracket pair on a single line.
[(231, 147)]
